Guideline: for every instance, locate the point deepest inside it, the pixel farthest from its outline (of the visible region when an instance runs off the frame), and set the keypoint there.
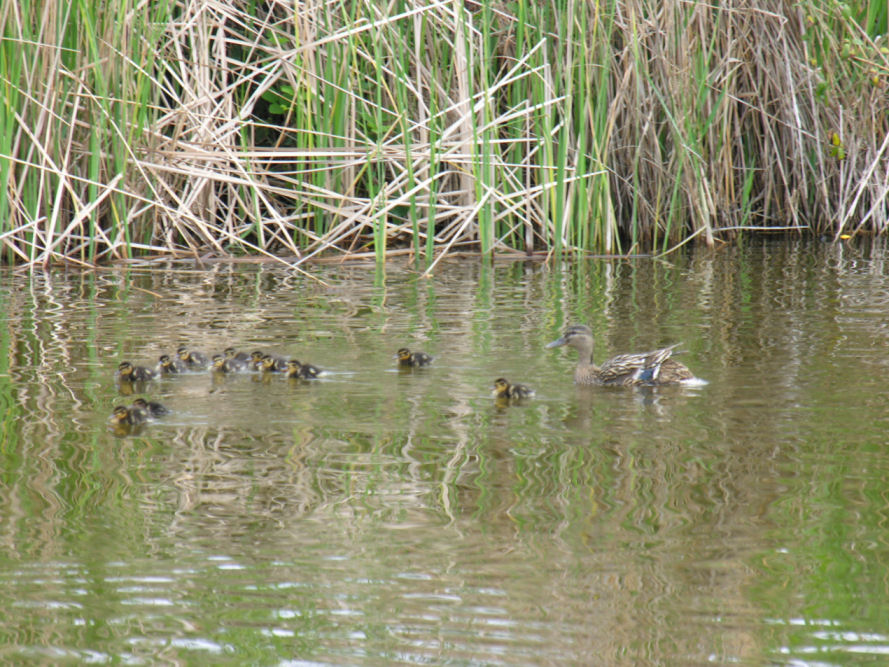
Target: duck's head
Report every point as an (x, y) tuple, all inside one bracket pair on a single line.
[(578, 336), (125, 368), (501, 386), (164, 359), (182, 351), (403, 354), (268, 362), (119, 415), (218, 362), (293, 365), (229, 352), (256, 356)]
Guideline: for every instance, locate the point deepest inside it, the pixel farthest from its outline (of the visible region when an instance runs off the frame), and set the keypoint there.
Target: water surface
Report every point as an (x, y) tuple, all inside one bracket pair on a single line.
[(378, 516)]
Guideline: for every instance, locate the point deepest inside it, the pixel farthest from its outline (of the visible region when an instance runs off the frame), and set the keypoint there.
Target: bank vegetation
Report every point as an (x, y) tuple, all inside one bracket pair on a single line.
[(343, 128)]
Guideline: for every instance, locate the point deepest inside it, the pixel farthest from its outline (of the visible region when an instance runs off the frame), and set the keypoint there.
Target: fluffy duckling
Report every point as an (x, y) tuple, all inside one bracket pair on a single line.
[(408, 359), (503, 389), (309, 372), (274, 364), (126, 372), (255, 363), (168, 365), (240, 357), (296, 370), (222, 365), (192, 358), (640, 368), (123, 416), (233, 361), (151, 408)]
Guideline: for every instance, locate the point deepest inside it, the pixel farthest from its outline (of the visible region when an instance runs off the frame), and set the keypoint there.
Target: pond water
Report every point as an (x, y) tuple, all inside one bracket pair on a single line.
[(376, 516)]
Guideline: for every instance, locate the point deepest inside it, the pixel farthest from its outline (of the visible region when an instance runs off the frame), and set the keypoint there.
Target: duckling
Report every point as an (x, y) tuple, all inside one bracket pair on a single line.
[(192, 358), (308, 371), (124, 416), (151, 408), (126, 372), (223, 365), (274, 364), (233, 354), (302, 371), (408, 359), (239, 360), (643, 368), (503, 389), (168, 365), (255, 363)]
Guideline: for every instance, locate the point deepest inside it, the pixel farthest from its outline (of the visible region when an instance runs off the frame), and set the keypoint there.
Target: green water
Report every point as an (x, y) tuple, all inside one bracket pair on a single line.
[(378, 517)]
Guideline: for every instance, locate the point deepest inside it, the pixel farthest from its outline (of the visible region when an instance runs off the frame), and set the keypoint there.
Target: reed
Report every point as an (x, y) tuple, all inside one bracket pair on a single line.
[(344, 127)]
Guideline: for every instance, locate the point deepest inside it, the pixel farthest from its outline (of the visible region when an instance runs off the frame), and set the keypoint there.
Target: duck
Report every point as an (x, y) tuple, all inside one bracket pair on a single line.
[(642, 368), (504, 389), (223, 365), (126, 372), (309, 372), (168, 365), (296, 370), (151, 408), (256, 357), (273, 363), (241, 357), (192, 358), (123, 416), (408, 359)]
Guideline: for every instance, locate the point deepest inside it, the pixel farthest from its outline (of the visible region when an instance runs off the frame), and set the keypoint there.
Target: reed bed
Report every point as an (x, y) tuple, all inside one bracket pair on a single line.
[(337, 128)]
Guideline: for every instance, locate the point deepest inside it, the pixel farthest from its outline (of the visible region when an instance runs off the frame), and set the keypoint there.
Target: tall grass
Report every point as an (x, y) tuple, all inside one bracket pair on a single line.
[(352, 127)]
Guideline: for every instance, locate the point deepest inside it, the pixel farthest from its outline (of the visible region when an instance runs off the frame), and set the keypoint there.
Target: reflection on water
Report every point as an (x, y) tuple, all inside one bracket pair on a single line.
[(379, 515)]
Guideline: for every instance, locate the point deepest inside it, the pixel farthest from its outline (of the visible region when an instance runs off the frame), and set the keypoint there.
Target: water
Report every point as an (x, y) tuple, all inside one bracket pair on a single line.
[(379, 517)]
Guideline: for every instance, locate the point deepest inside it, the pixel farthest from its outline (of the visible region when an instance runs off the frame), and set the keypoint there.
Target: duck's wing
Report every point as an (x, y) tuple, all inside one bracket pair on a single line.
[(672, 371), (635, 368)]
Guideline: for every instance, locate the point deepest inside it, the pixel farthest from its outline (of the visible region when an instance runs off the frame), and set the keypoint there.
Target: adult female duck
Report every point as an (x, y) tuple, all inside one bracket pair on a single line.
[(641, 368)]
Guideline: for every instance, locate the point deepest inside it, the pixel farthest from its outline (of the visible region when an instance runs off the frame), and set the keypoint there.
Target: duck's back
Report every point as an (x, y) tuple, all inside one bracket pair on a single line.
[(672, 371), (653, 367)]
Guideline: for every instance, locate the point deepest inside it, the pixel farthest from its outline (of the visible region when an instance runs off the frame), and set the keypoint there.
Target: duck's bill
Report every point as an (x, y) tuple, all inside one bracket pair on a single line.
[(556, 343)]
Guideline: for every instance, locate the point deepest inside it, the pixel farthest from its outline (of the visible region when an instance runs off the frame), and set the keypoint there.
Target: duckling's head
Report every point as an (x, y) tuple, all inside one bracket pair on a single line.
[(257, 356), (268, 362), (229, 352), (119, 415), (218, 362), (403, 354), (164, 359), (125, 368), (293, 366), (501, 387), (182, 351)]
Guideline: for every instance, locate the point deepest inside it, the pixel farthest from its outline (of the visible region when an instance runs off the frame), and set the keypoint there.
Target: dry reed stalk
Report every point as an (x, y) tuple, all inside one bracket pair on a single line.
[(330, 129)]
